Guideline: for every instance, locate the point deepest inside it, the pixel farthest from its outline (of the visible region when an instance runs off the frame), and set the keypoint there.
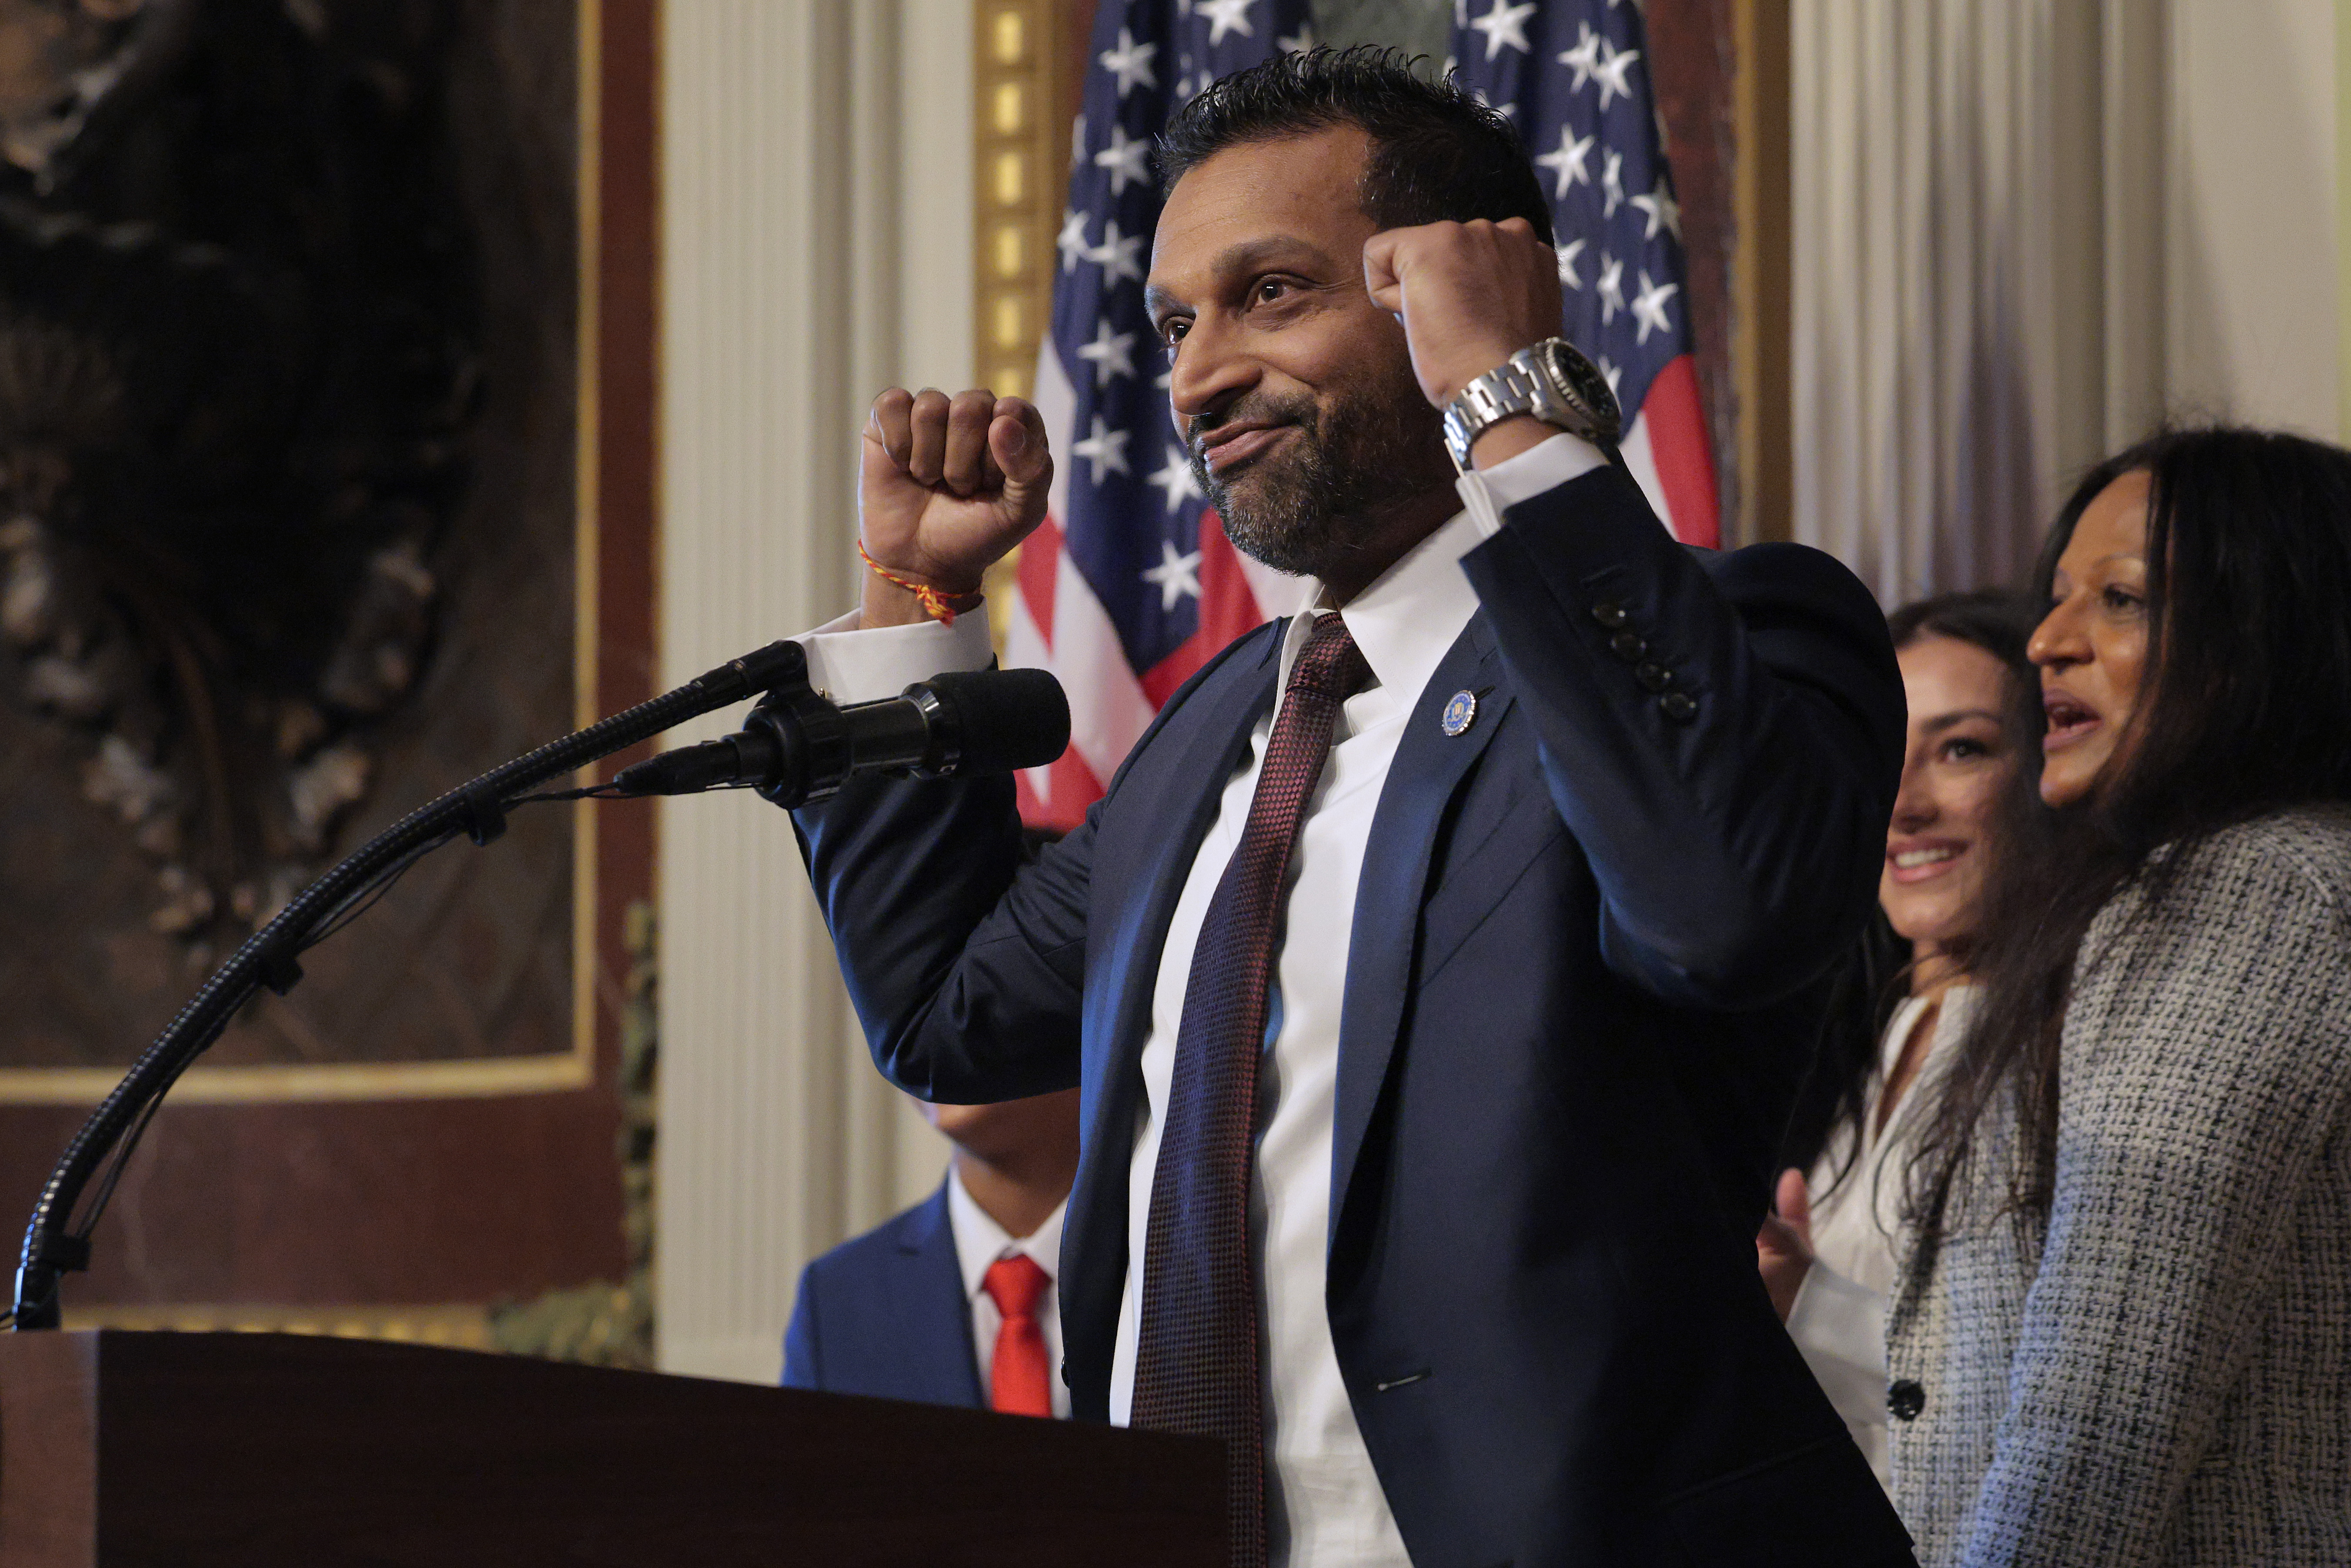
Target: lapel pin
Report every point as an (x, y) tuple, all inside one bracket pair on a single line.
[(1460, 713)]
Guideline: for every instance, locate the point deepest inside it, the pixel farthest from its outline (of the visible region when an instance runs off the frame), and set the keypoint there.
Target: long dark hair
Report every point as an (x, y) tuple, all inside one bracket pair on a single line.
[(2244, 708), (1876, 974)]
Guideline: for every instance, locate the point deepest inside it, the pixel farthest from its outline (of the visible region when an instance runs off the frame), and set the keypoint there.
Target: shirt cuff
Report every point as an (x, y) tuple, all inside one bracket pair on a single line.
[(847, 665), (1840, 1326), (1488, 493)]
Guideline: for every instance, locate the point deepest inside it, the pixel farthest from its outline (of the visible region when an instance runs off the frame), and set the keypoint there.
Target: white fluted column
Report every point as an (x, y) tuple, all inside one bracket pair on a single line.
[(812, 233)]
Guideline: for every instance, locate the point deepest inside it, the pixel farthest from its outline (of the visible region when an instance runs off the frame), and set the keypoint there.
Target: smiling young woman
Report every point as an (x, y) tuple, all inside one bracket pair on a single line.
[(2119, 1334), (1970, 759)]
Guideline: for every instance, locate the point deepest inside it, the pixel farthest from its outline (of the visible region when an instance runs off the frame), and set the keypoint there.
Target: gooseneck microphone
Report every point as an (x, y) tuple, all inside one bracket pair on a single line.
[(796, 748)]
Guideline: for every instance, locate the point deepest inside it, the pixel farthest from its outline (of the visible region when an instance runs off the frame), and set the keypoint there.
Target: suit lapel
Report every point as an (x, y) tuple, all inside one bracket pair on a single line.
[(1429, 766), (1179, 800), (1118, 1011), (935, 1316)]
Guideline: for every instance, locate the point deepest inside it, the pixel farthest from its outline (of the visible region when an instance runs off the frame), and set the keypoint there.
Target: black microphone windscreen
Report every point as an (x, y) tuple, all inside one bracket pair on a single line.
[(1006, 719)]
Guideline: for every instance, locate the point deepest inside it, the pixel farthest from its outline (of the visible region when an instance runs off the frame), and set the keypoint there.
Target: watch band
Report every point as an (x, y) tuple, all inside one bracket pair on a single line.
[(1549, 380)]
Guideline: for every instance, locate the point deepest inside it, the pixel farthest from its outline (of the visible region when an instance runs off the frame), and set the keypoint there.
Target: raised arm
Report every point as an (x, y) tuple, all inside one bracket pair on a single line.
[(1722, 732), (1736, 818), (963, 966)]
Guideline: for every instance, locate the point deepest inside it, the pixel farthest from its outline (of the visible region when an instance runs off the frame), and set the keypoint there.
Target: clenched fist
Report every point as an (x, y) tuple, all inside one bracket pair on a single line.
[(1469, 296), (945, 489)]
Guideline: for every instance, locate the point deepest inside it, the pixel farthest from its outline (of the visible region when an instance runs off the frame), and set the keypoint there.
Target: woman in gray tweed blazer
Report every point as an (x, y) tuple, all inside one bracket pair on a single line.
[(2122, 1329)]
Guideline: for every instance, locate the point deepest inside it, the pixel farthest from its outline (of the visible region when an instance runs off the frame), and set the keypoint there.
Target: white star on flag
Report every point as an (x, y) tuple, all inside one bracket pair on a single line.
[(1610, 73), (1117, 255), (1130, 62), (1662, 208), (1568, 161), (1567, 255), (1073, 244), (1505, 23), (1111, 353), (1584, 59), (1612, 181), (1224, 17), (1649, 307), (1612, 287), (1506, 110), (1610, 372), (1126, 159), (1177, 577), (1299, 42), (1105, 449), (1177, 479)]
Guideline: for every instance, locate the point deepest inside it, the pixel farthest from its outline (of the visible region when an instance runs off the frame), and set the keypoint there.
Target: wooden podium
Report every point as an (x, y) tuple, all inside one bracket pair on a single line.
[(257, 1451)]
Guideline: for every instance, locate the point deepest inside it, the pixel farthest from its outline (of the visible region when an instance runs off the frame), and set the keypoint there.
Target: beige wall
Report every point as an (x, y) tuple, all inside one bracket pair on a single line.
[(815, 246), (2252, 328)]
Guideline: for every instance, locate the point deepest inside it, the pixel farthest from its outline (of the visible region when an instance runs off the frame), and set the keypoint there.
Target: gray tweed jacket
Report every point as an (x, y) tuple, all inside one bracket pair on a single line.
[(2165, 1378)]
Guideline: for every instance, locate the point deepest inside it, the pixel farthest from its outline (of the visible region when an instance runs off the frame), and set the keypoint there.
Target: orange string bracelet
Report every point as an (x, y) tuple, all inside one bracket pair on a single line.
[(938, 606)]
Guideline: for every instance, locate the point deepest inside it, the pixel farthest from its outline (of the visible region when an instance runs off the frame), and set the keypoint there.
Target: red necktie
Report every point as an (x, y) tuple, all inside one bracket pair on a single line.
[(1020, 1381), (1196, 1361)]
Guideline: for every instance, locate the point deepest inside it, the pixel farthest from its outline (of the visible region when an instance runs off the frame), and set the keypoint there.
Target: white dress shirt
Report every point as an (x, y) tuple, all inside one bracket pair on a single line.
[(1323, 1502), (979, 1241), (1838, 1320)]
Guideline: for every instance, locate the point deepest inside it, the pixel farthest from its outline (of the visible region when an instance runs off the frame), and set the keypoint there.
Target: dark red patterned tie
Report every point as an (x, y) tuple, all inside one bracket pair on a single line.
[(1196, 1364)]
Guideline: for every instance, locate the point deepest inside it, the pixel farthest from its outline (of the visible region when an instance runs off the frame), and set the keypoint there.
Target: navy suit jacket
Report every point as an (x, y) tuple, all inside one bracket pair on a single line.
[(1580, 996), (884, 1314)]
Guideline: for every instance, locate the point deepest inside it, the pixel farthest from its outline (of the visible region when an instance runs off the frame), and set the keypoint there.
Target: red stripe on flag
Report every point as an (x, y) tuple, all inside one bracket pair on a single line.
[(1677, 441), (1073, 788), (1040, 564), (1227, 608), (1070, 784)]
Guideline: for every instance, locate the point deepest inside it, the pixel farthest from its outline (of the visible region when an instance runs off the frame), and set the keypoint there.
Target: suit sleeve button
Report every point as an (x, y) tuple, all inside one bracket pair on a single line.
[(1652, 676), (1678, 706), (1627, 645), (1904, 1399), (1610, 613)]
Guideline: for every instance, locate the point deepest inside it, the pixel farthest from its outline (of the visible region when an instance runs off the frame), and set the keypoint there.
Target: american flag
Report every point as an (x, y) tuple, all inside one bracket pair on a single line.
[(1573, 76), (1130, 586)]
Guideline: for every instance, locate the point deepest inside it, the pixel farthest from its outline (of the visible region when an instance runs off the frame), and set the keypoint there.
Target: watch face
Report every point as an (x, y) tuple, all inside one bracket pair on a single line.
[(1581, 378)]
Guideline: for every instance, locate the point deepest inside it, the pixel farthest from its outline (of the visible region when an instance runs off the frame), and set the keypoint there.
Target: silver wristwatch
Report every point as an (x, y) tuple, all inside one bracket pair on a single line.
[(1549, 380)]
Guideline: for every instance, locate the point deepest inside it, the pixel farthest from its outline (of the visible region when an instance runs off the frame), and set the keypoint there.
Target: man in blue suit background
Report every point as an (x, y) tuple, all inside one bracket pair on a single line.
[(917, 1308), (1439, 968)]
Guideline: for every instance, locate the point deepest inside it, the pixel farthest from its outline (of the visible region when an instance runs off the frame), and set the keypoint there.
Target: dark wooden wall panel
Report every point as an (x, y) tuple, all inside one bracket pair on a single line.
[(442, 1200)]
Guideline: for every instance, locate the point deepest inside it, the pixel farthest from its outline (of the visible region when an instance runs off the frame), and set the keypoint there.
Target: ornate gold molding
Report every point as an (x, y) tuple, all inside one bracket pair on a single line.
[(1023, 100)]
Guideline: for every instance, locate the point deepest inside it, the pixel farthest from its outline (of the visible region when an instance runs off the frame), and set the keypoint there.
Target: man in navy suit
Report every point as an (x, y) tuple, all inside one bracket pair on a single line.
[(917, 1308), (1437, 971)]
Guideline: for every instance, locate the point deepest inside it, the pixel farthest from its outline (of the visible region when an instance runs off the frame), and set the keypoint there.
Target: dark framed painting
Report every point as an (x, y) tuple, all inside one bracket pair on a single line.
[(325, 448)]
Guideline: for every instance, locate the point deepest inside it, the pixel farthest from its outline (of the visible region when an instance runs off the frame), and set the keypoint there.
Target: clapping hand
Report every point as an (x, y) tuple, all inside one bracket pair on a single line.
[(1784, 1247)]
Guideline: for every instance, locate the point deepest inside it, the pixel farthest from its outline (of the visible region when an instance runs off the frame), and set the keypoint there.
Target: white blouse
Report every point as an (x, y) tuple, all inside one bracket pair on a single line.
[(1839, 1317)]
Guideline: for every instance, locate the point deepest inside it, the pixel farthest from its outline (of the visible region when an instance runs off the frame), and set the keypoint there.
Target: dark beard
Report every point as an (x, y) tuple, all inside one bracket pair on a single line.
[(1305, 508)]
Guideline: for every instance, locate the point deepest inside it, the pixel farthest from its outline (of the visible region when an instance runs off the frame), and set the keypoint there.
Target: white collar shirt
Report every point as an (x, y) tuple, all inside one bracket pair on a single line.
[(1324, 1505), (979, 1242)]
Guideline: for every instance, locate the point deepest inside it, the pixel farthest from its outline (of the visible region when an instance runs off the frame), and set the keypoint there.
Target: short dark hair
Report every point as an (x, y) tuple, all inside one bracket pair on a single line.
[(1437, 153)]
